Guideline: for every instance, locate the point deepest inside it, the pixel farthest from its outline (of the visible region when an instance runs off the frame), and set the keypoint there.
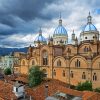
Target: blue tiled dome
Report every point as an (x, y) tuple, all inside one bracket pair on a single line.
[(60, 30), (90, 27), (40, 38)]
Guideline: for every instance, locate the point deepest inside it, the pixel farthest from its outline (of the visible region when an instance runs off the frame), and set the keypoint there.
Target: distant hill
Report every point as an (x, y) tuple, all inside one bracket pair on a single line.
[(6, 51)]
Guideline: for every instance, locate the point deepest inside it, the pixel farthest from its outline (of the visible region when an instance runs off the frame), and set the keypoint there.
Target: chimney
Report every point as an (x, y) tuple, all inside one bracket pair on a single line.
[(46, 91)]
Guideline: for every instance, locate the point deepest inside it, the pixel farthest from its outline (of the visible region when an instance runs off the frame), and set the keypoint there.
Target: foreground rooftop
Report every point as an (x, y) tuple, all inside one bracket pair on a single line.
[(48, 90)]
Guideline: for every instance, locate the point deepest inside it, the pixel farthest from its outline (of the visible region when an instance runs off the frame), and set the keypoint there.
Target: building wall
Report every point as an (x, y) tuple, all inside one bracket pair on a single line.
[(89, 64)]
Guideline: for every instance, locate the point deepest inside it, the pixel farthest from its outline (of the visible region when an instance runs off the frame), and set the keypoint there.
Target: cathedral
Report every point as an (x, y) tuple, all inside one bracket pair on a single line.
[(73, 62)]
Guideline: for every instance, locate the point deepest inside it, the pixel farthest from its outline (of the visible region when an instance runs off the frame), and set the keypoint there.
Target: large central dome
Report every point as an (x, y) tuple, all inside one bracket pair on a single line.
[(60, 30), (60, 35)]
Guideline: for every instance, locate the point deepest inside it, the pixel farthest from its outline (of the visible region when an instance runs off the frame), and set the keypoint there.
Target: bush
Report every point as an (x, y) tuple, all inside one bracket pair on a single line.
[(84, 86), (97, 90), (7, 71), (72, 87)]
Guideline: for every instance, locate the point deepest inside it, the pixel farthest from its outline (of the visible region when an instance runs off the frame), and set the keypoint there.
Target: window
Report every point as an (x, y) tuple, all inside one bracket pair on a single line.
[(45, 58), (54, 73), (69, 50), (86, 49), (23, 62), (77, 63), (33, 63), (85, 37), (63, 74), (94, 77), (58, 63), (83, 75), (71, 74), (16, 89)]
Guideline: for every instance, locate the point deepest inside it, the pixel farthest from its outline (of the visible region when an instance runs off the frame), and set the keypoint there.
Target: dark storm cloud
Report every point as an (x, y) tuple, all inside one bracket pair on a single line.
[(25, 10), (22, 17)]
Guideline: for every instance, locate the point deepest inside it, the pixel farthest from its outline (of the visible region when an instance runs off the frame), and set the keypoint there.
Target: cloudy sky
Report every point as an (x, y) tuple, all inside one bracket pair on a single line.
[(20, 20)]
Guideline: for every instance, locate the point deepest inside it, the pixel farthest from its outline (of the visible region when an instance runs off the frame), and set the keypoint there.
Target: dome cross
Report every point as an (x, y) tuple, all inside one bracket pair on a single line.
[(89, 19), (60, 20)]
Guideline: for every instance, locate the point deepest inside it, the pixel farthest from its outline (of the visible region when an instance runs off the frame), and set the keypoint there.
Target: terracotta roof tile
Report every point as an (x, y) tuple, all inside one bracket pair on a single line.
[(6, 91), (38, 93)]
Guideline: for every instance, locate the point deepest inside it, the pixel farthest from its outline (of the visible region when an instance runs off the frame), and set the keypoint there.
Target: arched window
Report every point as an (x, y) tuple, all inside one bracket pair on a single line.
[(69, 50), (58, 63), (54, 72), (77, 63), (23, 62), (83, 75), (63, 73), (45, 58), (33, 62), (86, 49), (94, 77), (71, 74)]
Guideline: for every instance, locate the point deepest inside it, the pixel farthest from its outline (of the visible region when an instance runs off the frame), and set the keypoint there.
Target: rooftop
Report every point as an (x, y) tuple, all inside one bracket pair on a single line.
[(56, 89)]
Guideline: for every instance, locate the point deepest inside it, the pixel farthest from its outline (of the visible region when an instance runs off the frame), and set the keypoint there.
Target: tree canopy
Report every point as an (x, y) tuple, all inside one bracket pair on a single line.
[(7, 71), (36, 76)]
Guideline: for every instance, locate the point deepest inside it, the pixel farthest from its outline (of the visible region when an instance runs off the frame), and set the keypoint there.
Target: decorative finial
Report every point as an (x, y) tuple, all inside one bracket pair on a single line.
[(49, 37), (60, 15), (89, 19), (30, 45), (73, 31), (89, 13), (60, 20), (40, 31), (76, 38)]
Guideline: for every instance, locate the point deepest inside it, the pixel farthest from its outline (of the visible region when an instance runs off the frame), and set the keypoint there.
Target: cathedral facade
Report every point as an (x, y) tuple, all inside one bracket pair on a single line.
[(70, 63)]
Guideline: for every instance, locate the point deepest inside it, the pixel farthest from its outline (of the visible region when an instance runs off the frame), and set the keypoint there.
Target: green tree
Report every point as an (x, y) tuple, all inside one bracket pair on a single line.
[(84, 86), (7, 71), (36, 76)]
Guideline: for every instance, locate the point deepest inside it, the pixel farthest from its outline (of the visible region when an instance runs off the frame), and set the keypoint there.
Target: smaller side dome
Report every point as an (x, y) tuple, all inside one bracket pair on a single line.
[(40, 38)]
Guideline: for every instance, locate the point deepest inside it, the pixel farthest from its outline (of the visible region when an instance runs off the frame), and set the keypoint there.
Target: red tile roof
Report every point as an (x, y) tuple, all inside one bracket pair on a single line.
[(6, 91), (22, 79), (53, 86), (38, 93)]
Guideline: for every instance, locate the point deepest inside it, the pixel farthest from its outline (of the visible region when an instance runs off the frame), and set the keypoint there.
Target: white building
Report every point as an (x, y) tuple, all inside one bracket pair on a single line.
[(18, 89), (9, 61)]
